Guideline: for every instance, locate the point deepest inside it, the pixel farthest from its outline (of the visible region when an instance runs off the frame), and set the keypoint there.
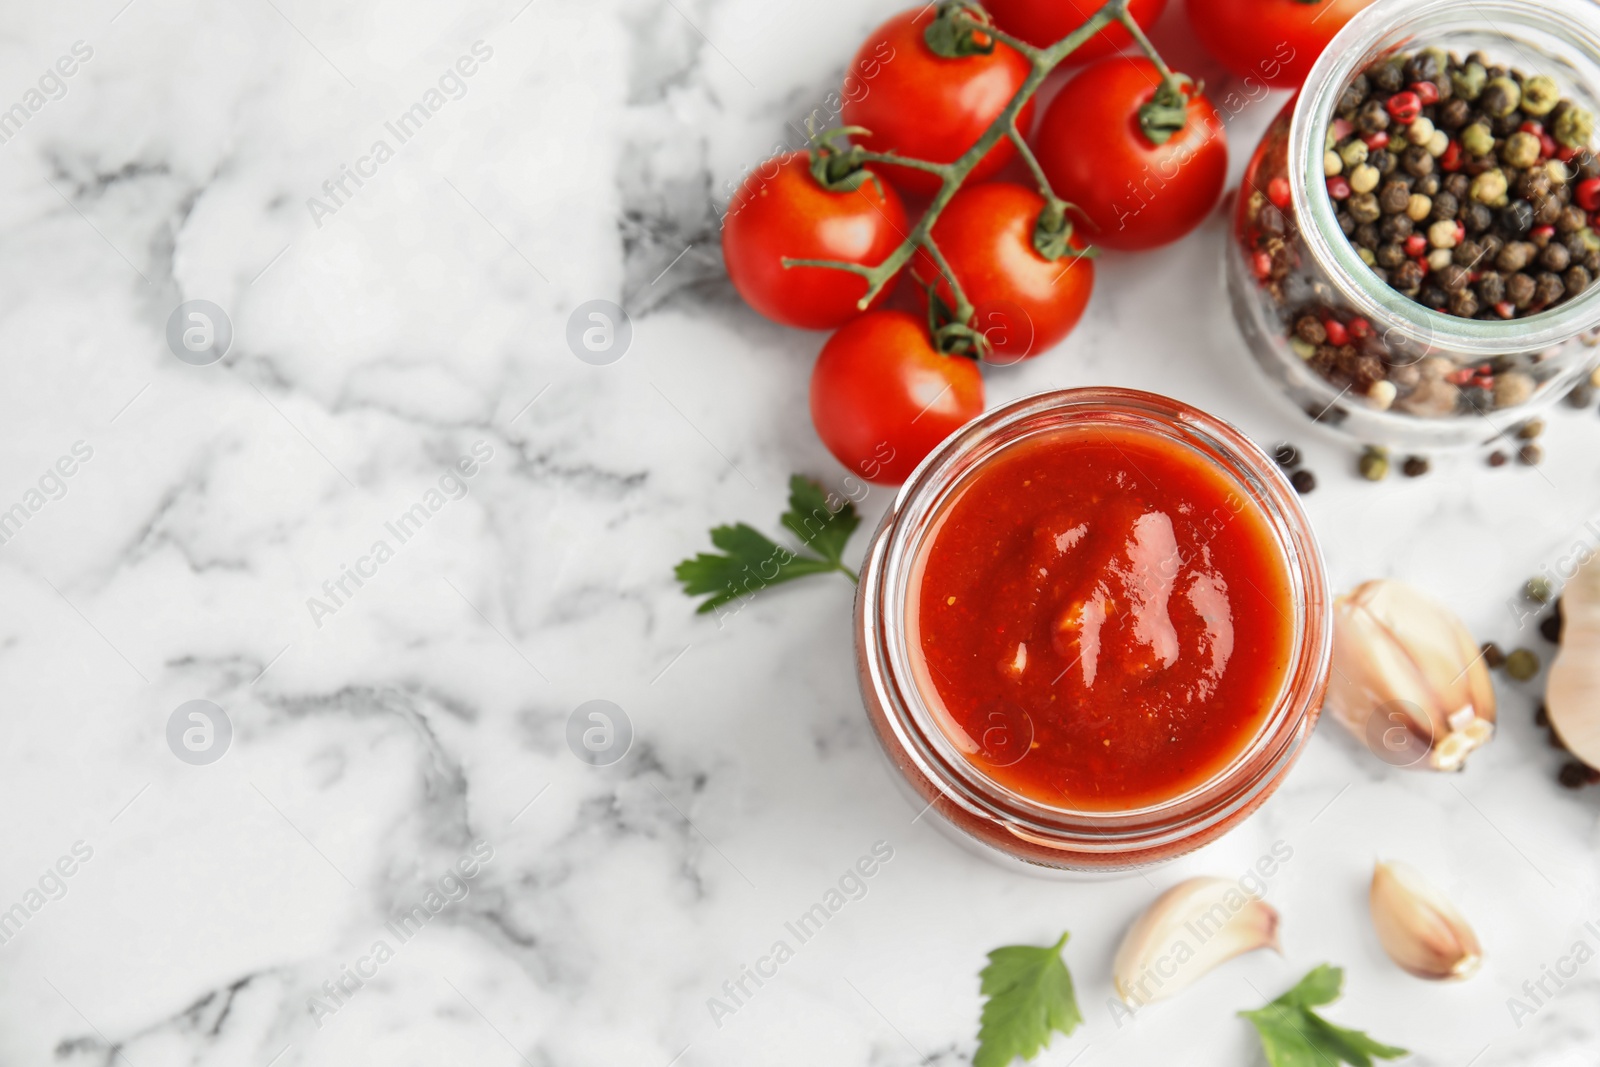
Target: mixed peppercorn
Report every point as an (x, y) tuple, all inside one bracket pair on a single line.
[(1465, 185)]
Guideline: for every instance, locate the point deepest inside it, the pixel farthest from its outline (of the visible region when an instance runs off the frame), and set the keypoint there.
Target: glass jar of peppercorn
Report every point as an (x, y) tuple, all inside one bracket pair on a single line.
[(1416, 248)]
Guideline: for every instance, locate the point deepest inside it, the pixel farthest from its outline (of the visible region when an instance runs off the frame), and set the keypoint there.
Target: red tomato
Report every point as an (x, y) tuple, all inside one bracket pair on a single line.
[(1273, 41), (781, 210), (1044, 22), (1024, 303), (924, 105), (882, 397), (1135, 194)]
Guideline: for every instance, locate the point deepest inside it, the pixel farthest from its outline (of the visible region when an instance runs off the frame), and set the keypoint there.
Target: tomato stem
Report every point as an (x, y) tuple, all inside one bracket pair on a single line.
[(965, 25)]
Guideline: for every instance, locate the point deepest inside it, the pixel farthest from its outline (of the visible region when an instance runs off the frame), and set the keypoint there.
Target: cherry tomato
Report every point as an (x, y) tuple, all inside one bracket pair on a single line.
[(1273, 41), (781, 210), (882, 397), (1044, 22), (1024, 303), (930, 107), (1133, 192)]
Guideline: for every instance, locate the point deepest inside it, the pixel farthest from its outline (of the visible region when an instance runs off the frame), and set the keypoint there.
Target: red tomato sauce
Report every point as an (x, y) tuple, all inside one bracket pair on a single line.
[(1105, 617)]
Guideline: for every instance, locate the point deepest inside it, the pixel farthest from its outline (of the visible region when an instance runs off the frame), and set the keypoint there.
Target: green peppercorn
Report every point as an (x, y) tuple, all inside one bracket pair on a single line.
[(1540, 94), (1374, 465), (1477, 139), (1468, 81), (1574, 128), (1538, 590), (1522, 664), (1490, 188)]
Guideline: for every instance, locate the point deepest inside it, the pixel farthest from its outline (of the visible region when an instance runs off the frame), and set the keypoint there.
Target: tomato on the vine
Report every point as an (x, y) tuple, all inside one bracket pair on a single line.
[(1273, 41), (882, 397), (1044, 22), (1023, 302), (1100, 145), (930, 107), (782, 210)]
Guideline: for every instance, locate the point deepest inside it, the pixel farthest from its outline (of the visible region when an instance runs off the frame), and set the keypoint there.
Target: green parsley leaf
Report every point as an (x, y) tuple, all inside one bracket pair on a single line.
[(820, 528), (1292, 1035), (750, 560), (1030, 994)]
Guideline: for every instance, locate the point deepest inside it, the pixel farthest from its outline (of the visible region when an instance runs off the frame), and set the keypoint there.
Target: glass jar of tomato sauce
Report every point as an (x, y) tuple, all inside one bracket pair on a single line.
[(1093, 630), (1288, 253)]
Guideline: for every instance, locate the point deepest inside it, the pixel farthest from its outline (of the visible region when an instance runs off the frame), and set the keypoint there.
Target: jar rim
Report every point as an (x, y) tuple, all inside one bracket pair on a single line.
[(1376, 28), (885, 657)]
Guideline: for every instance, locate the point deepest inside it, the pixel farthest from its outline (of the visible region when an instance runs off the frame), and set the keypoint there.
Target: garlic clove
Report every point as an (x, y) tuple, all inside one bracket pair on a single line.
[(1190, 929), (1407, 677), (1420, 929), (1572, 690)]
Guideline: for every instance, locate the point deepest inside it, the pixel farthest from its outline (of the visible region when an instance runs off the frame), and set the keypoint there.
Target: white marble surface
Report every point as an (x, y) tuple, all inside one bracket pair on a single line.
[(429, 710)]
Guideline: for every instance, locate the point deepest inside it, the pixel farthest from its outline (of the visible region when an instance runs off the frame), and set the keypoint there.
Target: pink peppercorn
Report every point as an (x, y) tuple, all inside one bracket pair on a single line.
[(1540, 232), (1375, 141), (1338, 188), (1360, 329), (1505, 309), (1404, 107), (1337, 334), (1427, 92), (1451, 160), (1262, 264), (1587, 194), (1416, 245), (1278, 192)]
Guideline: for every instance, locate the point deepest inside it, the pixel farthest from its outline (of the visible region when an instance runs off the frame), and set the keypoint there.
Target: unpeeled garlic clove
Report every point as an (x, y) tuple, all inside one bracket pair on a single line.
[(1572, 691), (1407, 677), (1419, 929), (1191, 928)]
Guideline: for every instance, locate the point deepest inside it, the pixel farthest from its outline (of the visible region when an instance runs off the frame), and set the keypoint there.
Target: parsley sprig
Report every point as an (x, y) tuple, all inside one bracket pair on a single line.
[(750, 560), (1029, 991), (1292, 1035)]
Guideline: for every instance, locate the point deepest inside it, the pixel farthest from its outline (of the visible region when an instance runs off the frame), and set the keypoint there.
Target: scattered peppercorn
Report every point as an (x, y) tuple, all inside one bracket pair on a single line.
[(1538, 590), (1493, 655), (1522, 664), (1303, 481), (1374, 464), (1530, 454), (1286, 456), (1574, 775), (1415, 466), (1581, 396), (1550, 629), (1497, 459)]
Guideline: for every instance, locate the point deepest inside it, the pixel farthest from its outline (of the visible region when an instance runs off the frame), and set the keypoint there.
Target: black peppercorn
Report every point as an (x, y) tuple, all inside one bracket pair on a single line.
[(1452, 279), (1468, 253), (1517, 217), (1383, 161), (1427, 185), (1555, 257), (1445, 204), (1407, 278), (1387, 77), (1309, 328), (1464, 302), (1415, 466), (1286, 456), (1519, 290), (1573, 775), (1372, 118), (1394, 196), (1458, 186), (1453, 114), (1572, 219), (1432, 295), (1576, 279), (1395, 227), (1580, 396), (1303, 481), (1421, 67), (1346, 223), (1497, 459), (1416, 161), (1547, 289), (1491, 287), (1391, 255)]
